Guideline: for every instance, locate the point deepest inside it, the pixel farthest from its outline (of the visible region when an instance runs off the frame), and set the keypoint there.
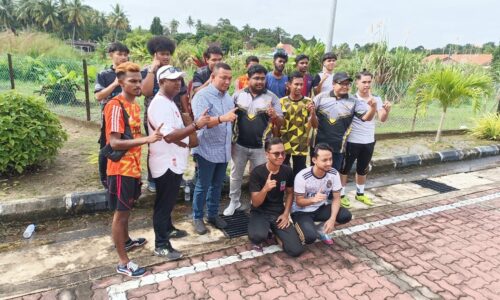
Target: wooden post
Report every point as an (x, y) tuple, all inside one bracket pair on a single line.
[(87, 97), (11, 72)]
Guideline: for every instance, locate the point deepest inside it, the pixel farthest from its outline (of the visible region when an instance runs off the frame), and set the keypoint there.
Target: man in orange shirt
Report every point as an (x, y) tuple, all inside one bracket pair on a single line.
[(242, 81), (124, 175)]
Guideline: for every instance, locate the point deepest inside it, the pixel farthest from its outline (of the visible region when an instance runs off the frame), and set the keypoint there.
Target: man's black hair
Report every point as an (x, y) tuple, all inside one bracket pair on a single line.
[(251, 58), (117, 46), (301, 57), (329, 55), (363, 73), (321, 146), (280, 54), (295, 74), (271, 142), (221, 65), (160, 43), (256, 69), (213, 49)]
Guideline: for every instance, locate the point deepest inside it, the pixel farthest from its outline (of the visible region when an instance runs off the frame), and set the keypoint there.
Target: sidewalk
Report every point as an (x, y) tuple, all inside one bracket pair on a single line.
[(85, 266)]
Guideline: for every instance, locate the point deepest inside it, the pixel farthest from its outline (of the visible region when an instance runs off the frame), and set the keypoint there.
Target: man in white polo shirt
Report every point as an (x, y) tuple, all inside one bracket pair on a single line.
[(168, 158)]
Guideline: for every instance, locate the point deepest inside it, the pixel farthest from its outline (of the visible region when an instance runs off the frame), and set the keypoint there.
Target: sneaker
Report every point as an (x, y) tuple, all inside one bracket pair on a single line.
[(177, 233), (199, 226), (345, 202), (133, 243), (152, 186), (365, 199), (231, 208), (325, 238), (168, 252), (257, 247), (218, 222), (131, 269)]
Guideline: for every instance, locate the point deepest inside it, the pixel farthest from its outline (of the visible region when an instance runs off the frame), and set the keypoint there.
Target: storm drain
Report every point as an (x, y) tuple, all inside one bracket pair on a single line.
[(237, 224), (434, 185)]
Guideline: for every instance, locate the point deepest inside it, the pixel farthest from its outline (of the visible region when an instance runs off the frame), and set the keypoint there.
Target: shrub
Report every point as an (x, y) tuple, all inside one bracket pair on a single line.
[(60, 86), (487, 127), (30, 134)]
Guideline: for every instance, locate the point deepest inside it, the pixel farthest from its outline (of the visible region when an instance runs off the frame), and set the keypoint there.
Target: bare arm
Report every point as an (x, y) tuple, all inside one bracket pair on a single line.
[(117, 143), (303, 202), (383, 113), (330, 223), (148, 84), (104, 93), (259, 197)]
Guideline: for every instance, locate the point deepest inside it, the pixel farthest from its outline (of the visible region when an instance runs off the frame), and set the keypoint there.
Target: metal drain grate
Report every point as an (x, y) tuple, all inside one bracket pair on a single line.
[(434, 185), (237, 224)]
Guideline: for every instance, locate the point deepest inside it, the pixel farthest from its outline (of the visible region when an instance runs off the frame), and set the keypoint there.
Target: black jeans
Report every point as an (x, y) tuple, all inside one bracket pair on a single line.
[(259, 225), (304, 221), (299, 163), (167, 189)]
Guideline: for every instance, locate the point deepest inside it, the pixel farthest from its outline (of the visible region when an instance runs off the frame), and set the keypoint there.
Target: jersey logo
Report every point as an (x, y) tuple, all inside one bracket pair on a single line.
[(282, 186)]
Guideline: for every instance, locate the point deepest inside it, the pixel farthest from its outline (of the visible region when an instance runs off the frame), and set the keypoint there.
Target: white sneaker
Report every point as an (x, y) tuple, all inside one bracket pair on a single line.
[(229, 211)]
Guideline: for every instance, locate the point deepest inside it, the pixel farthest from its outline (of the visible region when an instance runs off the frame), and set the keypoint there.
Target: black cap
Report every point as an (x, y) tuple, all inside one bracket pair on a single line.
[(341, 76)]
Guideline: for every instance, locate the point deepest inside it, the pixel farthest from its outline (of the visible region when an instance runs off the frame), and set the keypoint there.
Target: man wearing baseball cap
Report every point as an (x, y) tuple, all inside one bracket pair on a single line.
[(168, 158), (335, 110)]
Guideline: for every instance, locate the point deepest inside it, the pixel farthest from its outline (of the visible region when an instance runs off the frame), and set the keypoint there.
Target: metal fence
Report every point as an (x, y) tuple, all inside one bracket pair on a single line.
[(68, 85)]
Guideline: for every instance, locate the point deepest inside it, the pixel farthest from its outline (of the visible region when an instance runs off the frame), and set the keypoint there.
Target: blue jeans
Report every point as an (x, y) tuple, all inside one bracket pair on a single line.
[(208, 186)]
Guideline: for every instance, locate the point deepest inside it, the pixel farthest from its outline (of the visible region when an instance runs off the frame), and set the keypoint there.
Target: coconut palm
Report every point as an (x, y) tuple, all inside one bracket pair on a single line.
[(76, 13), (26, 11), (451, 86), (174, 25), (7, 18), (46, 15), (118, 19), (190, 23)]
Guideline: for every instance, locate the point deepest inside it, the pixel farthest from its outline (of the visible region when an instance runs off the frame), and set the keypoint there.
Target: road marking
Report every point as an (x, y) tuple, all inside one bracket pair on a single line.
[(118, 291)]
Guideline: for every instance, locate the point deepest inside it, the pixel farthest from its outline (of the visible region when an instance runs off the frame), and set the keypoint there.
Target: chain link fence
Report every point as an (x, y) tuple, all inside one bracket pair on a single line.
[(62, 83)]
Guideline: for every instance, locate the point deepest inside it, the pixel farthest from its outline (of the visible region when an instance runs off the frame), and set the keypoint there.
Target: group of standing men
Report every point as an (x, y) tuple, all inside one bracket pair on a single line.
[(269, 121)]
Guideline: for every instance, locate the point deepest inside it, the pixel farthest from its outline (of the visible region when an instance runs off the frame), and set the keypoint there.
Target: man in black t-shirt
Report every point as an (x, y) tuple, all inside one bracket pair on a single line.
[(269, 183)]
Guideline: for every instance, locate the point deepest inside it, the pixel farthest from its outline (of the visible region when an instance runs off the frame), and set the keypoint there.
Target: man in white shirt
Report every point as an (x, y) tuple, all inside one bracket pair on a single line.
[(168, 159), (312, 187), (323, 81)]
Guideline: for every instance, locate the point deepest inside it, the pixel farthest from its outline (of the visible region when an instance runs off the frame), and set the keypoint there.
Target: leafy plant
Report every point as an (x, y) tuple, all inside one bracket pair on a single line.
[(451, 86), (61, 85), (315, 52), (30, 134), (487, 127)]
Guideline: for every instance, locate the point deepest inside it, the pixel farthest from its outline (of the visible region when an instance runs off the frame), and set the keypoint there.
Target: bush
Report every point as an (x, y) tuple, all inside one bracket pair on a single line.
[(487, 127), (30, 134), (61, 85)]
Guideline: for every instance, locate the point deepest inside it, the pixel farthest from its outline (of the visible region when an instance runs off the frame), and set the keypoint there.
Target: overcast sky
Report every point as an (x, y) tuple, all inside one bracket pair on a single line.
[(431, 23)]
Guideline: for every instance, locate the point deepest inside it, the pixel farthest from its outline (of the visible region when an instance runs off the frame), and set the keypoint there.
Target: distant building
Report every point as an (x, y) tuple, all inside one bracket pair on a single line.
[(289, 49), (483, 60), (84, 46)]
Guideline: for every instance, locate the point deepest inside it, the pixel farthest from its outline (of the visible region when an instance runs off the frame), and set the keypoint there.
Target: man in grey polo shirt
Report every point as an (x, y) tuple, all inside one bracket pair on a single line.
[(258, 111), (214, 150), (335, 110)]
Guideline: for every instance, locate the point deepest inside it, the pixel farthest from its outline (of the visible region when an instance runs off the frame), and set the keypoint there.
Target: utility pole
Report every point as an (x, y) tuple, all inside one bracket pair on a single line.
[(332, 27)]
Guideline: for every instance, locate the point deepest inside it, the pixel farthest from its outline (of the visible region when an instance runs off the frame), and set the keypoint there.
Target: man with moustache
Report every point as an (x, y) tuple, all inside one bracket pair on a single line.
[(276, 80), (258, 111)]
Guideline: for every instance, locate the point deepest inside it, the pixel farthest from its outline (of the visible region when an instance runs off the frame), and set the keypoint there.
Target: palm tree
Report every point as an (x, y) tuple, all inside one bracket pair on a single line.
[(451, 86), (7, 18), (76, 14), (46, 15), (174, 25), (118, 19), (26, 12), (190, 23)]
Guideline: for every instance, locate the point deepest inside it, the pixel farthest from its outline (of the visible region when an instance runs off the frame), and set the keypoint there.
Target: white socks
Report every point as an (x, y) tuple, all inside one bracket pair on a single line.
[(360, 188), (342, 191)]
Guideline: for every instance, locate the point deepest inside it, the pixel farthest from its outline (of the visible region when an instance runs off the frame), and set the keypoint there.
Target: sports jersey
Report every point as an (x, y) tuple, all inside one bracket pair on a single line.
[(363, 132), (307, 185), (335, 117), (104, 79), (277, 86), (253, 126), (294, 129), (130, 163)]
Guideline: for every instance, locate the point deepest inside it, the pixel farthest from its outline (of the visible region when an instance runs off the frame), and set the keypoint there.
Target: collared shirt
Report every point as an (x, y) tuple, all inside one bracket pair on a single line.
[(335, 117), (362, 132), (215, 142), (201, 76), (277, 86), (104, 79), (253, 126)]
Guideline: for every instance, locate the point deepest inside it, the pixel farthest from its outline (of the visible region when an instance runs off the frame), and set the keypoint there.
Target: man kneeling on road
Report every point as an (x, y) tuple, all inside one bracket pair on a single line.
[(312, 186), (268, 184)]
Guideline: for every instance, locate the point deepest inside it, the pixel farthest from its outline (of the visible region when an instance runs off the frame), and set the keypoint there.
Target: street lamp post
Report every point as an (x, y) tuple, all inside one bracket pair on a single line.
[(332, 26)]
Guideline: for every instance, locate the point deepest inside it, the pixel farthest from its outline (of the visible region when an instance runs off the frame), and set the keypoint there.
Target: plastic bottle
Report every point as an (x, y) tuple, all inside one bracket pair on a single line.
[(29, 231), (187, 193)]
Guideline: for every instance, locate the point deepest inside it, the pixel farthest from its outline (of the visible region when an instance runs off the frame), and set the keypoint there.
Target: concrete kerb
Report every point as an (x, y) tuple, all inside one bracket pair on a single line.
[(81, 203)]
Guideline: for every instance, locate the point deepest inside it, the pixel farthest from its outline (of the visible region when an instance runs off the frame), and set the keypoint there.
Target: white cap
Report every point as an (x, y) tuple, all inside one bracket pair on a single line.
[(169, 72)]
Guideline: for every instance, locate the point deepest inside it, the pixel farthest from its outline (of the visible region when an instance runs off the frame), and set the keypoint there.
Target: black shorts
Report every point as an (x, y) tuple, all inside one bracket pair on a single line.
[(123, 191), (361, 153)]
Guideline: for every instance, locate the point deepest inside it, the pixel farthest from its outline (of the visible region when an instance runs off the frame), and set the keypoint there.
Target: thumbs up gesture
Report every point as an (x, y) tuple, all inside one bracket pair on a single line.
[(320, 196), (270, 183)]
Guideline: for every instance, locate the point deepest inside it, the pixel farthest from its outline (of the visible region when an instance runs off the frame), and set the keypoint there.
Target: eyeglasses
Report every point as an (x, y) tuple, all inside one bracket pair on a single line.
[(171, 70), (278, 154), (347, 84)]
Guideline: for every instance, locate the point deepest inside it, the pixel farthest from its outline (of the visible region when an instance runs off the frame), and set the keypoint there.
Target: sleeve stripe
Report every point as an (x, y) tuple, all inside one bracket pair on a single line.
[(115, 119)]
